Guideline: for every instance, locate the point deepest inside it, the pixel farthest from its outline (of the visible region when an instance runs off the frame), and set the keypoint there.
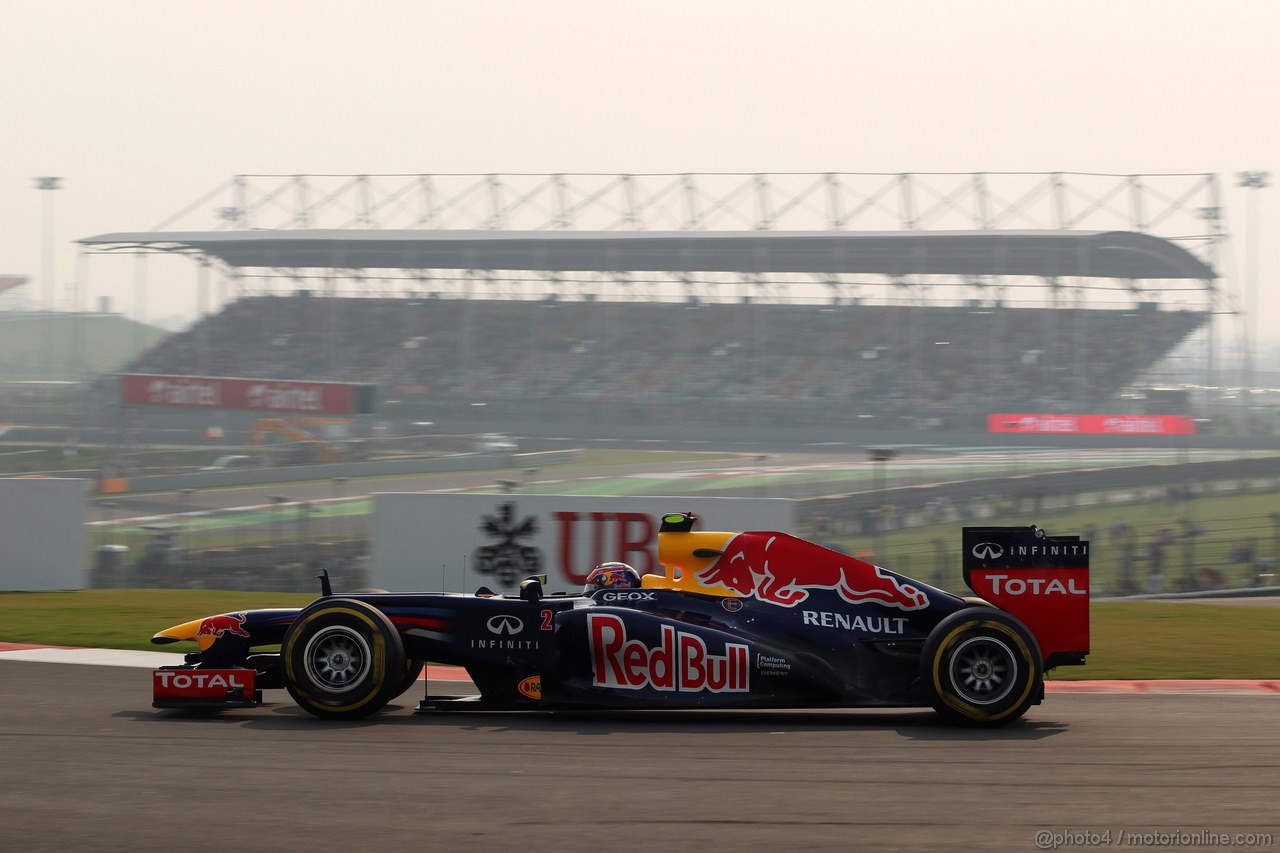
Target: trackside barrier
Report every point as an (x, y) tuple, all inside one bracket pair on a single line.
[(1029, 488), (377, 468)]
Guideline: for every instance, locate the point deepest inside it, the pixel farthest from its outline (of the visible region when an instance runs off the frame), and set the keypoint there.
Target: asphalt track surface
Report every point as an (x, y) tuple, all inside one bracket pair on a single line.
[(87, 764), (253, 495), (777, 474)]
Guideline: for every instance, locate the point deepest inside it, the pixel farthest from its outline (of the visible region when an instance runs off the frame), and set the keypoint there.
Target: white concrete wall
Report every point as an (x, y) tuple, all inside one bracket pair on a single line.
[(43, 543), (436, 543)]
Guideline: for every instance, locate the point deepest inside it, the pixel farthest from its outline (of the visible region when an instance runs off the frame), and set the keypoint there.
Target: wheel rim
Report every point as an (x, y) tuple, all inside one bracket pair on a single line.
[(337, 658), (983, 670)]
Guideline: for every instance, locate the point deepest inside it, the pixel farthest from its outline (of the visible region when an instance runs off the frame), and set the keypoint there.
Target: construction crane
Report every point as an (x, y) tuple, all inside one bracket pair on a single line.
[(313, 448)]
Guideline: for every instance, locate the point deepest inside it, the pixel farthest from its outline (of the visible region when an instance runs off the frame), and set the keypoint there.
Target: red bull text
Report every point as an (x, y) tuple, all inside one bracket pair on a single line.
[(681, 663)]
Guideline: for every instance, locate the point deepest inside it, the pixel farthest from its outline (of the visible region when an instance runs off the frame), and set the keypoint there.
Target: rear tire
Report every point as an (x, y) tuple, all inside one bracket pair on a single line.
[(342, 659), (981, 667)]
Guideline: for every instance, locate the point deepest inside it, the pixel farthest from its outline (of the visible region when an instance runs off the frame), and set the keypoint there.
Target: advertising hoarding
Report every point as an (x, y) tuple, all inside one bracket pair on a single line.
[(266, 395), (1091, 424), (43, 531), (457, 543)]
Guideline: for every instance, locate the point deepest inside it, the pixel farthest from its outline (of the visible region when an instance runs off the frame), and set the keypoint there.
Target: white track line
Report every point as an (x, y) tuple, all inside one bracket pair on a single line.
[(95, 657)]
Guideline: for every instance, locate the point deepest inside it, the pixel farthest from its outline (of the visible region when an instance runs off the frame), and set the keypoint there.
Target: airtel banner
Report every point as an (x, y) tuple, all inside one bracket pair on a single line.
[(268, 395), (1093, 424)]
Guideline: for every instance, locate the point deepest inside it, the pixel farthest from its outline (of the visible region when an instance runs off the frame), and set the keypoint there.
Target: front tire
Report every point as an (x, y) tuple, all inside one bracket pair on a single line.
[(981, 667), (412, 669), (342, 659)]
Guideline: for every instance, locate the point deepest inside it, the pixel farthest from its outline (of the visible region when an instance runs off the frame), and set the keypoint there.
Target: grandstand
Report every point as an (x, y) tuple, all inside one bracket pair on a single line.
[(932, 366), (1061, 299)]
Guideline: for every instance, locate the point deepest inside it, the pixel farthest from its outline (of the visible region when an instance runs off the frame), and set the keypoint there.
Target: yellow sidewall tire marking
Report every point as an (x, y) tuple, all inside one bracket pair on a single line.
[(958, 704), (379, 658)]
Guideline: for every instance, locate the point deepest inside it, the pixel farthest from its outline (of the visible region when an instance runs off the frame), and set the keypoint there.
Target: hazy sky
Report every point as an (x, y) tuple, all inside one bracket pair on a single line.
[(143, 106)]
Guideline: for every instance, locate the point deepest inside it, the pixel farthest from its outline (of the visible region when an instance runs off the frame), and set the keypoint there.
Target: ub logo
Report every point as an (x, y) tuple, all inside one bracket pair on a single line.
[(508, 559)]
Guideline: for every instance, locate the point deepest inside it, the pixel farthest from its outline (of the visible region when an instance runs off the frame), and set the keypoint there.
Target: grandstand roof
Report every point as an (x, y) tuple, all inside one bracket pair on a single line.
[(1094, 254)]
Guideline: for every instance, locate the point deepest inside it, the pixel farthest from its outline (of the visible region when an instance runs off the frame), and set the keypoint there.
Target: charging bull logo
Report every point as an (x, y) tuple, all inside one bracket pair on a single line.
[(216, 626), (781, 569)]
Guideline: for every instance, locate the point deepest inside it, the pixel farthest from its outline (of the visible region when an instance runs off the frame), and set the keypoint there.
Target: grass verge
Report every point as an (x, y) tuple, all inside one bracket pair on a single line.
[(1163, 639), (120, 618)]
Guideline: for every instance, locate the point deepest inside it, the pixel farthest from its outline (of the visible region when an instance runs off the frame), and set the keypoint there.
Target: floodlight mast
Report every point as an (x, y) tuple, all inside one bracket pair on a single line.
[(48, 184), (1254, 180)]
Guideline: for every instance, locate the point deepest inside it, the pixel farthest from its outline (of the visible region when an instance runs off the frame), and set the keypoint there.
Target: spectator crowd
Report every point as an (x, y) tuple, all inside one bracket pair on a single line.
[(929, 363)]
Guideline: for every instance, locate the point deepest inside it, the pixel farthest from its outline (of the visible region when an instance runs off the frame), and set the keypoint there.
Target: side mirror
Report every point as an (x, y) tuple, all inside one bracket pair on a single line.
[(531, 588)]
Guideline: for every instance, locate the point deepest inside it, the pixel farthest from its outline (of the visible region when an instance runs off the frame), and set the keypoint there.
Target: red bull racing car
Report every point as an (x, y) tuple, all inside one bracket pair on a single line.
[(755, 619)]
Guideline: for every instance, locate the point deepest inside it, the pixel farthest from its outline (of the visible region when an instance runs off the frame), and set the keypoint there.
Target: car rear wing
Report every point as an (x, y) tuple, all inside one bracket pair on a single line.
[(1042, 580)]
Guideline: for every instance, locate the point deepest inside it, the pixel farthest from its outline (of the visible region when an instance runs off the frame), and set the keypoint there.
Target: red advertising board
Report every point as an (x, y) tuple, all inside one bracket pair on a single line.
[(1092, 424), (215, 684), (267, 395)]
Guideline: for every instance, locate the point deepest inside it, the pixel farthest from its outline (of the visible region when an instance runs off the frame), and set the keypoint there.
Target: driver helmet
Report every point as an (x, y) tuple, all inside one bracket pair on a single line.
[(611, 576)]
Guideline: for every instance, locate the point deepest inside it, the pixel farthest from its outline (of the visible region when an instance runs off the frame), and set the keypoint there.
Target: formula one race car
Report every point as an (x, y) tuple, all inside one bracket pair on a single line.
[(738, 620)]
